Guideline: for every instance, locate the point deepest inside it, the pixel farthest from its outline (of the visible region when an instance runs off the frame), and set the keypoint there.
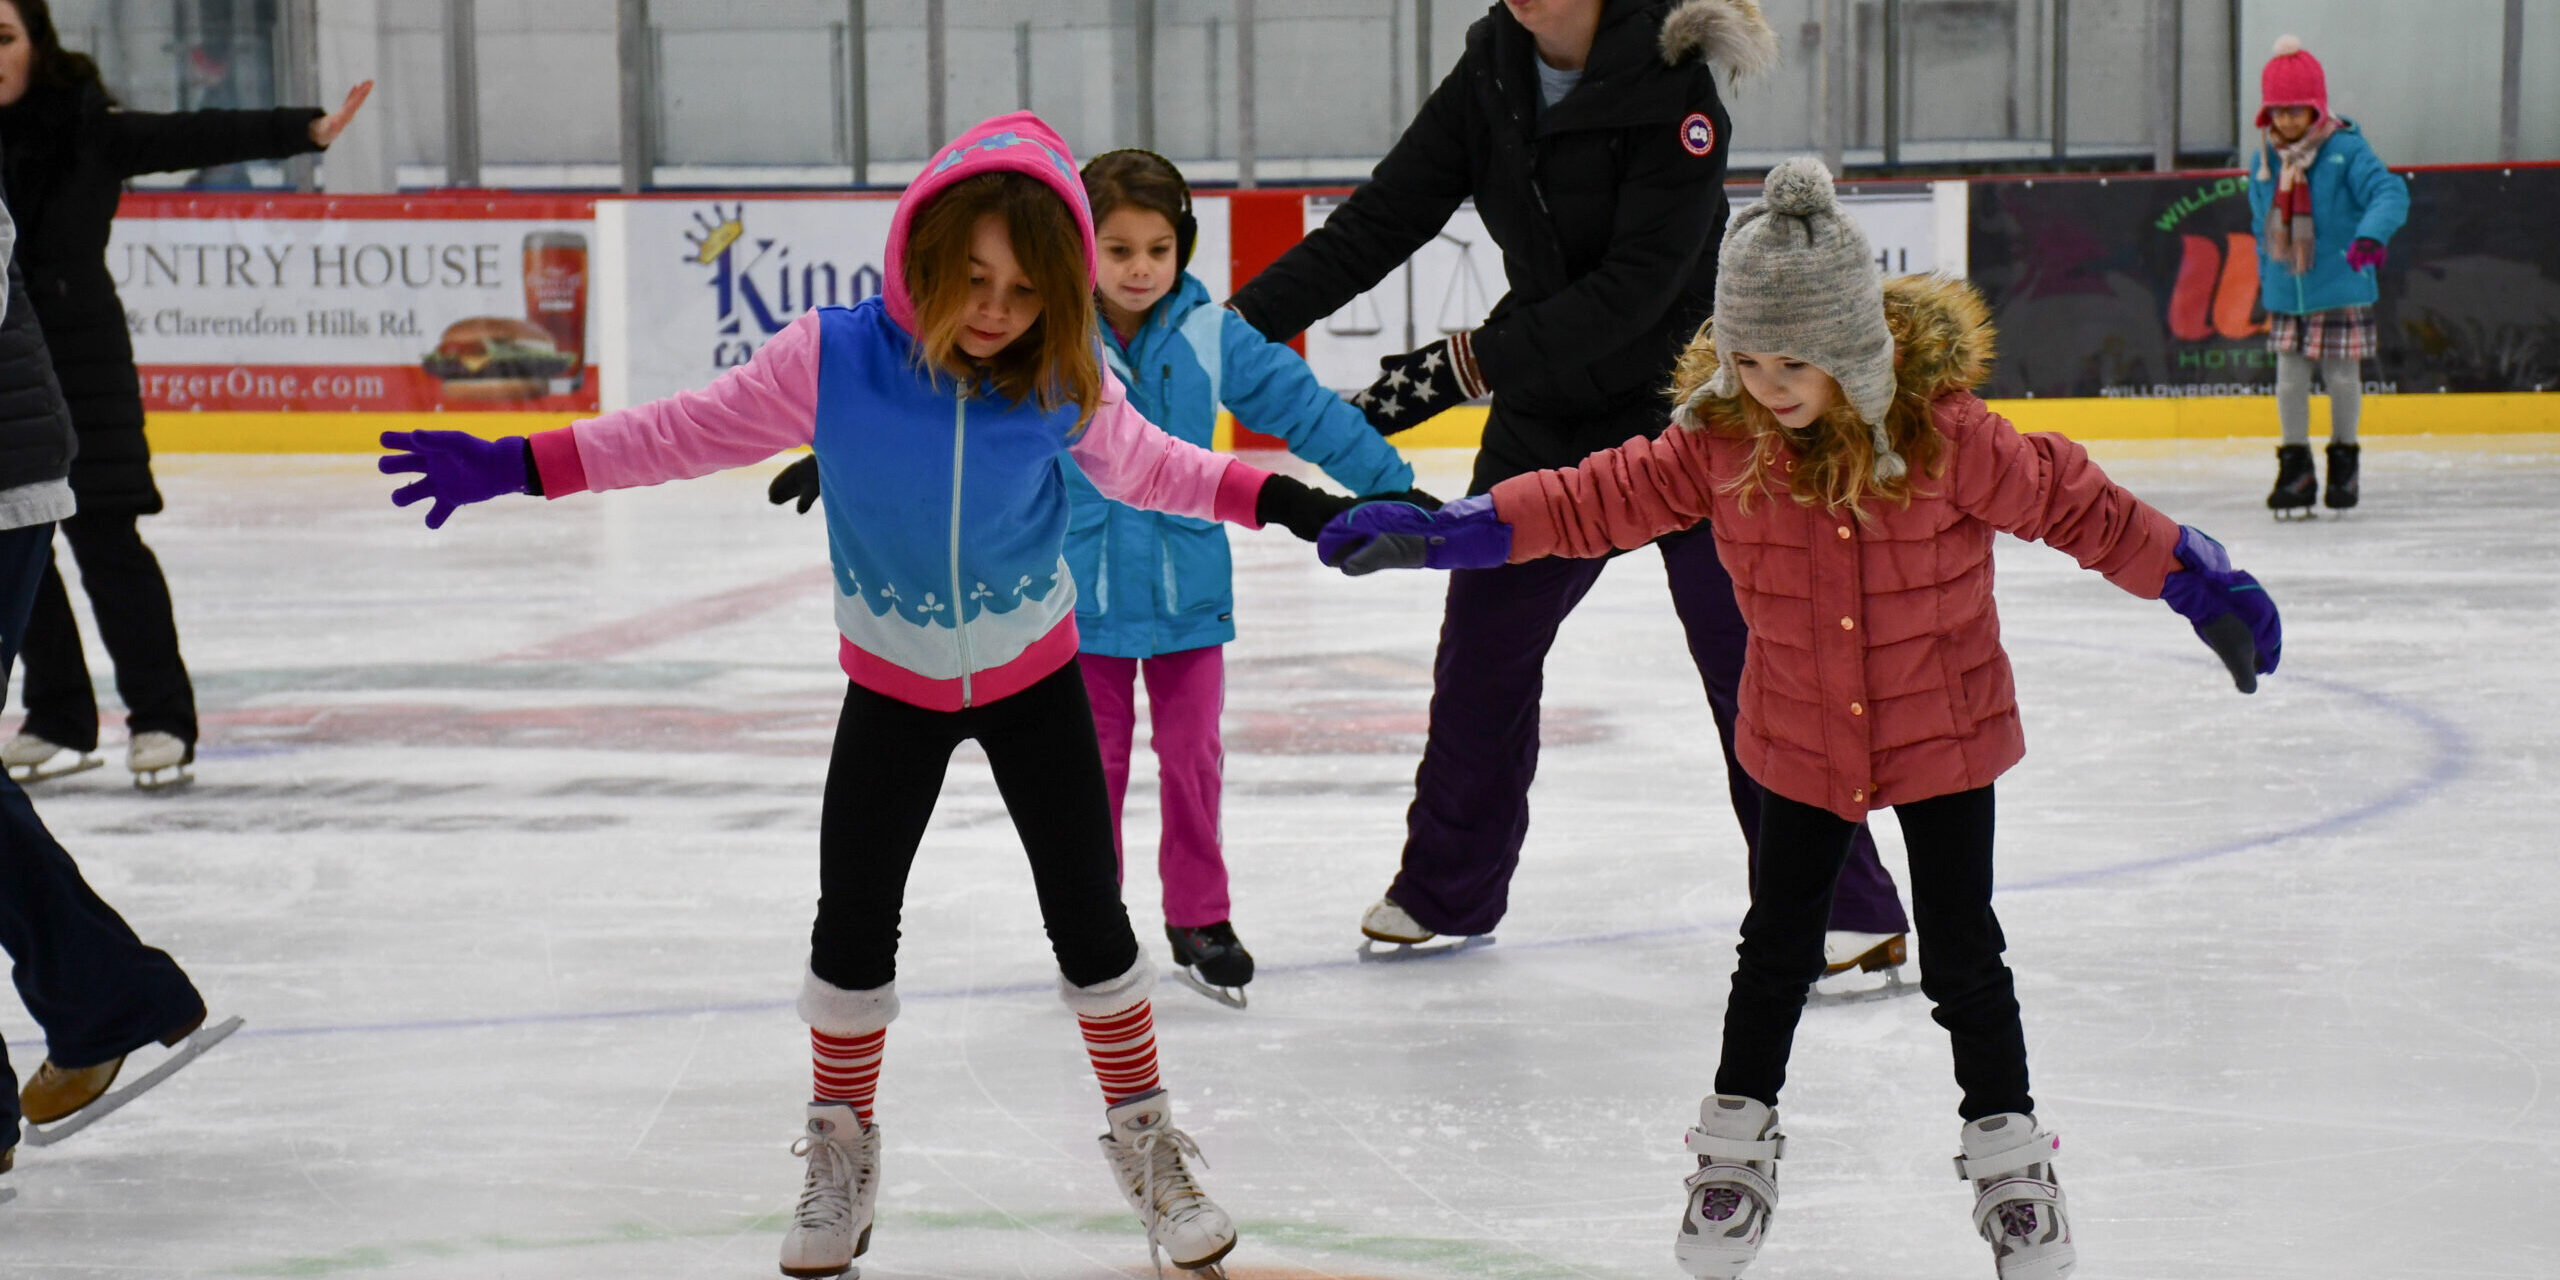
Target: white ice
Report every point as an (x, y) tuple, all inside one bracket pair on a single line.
[(504, 842)]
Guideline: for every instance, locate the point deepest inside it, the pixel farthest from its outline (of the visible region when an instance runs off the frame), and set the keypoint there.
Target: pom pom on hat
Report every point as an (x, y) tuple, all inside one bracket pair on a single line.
[(2287, 45), (1799, 188)]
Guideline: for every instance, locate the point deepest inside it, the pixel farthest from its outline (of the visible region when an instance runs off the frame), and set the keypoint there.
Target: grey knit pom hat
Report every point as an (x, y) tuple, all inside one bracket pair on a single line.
[(1796, 276)]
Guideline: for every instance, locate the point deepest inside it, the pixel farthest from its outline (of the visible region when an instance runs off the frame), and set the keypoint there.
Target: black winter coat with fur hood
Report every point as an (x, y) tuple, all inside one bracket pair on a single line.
[(1608, 207)]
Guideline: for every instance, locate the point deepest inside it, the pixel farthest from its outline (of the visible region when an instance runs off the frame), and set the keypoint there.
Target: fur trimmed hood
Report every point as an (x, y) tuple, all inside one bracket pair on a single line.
[(1729, 33), (1943, 341)]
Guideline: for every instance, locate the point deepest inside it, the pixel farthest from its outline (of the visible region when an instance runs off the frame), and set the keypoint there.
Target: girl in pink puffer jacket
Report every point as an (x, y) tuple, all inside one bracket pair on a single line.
[(1854, 481)]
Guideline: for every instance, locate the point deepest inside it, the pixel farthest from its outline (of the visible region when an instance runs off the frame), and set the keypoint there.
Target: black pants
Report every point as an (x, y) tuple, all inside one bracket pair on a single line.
[(91, 984), (889, 762), (131, 599), (1801, 849)]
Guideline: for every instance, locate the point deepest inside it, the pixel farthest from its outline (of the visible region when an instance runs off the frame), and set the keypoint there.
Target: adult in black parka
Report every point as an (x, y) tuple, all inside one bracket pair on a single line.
[(1591, 137), (69, 151)]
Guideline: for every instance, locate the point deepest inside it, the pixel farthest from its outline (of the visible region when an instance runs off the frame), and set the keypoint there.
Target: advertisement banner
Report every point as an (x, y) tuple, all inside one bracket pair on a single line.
[(2148, 287), (364, 305)]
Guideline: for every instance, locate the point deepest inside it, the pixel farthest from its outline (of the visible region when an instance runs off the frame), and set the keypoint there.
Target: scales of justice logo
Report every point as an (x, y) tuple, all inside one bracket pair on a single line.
[(757, 287)]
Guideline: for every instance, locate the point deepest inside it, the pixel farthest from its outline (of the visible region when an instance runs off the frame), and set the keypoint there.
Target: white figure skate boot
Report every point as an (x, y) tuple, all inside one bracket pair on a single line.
[(832, 1225), (1146, 1154), (33, 759), (2017, 1205), (1735, 1190), (159, 760), (1390, 933)]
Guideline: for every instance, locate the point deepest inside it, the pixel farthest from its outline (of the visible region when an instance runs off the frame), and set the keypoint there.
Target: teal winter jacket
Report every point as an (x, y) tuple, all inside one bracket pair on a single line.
[(2352, 197), (1149, 583)]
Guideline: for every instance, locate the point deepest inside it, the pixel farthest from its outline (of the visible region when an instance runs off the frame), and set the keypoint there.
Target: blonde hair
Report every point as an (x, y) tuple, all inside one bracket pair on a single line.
[(1056, 361), (1835, 465)]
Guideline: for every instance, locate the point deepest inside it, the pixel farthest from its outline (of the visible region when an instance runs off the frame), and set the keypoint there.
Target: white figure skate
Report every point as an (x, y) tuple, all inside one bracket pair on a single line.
[(1734, 1193), (160, 760), (1406, 938), (2017, 1204), (33, 759), (1858, 967), (832, 1225), (1146, 1154)]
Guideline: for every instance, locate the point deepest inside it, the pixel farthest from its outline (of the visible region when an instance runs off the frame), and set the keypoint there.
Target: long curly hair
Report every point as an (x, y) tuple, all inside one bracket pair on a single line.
[(1834, 463)]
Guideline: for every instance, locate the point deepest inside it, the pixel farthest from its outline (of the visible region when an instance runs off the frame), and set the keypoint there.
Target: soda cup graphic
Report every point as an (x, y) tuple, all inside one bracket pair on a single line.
[(555, 297)]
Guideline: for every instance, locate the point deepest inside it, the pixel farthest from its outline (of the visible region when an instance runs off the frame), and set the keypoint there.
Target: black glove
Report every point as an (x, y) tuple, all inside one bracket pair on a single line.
[(799, 480), (1422, 382), (1301, 510)]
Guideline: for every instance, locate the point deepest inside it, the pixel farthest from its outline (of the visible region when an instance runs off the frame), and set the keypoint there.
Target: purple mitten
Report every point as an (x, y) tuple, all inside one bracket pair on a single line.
[(2366, 252), (1394, 535), (2231, 613), (455, 469)]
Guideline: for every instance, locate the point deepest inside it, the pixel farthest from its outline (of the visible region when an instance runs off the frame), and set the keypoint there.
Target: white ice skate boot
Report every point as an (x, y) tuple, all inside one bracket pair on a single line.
[(33, 759), (1734, 1193), (159, 760), (832, 1226), (1146, 1152), (2017, 1205), (1402, 936)]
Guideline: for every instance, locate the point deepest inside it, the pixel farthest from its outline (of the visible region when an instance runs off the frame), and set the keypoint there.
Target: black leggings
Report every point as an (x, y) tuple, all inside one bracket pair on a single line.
[(1801, 849), (889, 762), (131, 599)]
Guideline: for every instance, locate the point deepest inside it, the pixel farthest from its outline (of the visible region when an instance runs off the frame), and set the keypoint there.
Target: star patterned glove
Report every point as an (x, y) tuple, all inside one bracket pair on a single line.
[(1420, 383)]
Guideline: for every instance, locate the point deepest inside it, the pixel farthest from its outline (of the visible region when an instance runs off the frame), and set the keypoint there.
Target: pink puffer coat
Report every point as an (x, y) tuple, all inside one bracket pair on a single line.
[(1874, 674)]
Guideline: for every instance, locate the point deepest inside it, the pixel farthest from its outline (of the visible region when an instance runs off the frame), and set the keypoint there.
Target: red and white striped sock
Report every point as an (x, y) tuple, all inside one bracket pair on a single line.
[(848, 1068), (1123, 1048)]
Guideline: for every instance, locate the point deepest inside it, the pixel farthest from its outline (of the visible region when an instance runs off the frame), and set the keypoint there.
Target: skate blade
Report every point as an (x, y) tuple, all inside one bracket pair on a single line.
[(1231, 997), (1858, 988), (2286, 515), (114, 1099), (1381, 951), (47, 770), (163, 779)]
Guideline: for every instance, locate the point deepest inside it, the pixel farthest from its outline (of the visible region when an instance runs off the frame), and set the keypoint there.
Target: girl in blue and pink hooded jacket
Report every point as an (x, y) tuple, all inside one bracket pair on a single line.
[(940, 413)]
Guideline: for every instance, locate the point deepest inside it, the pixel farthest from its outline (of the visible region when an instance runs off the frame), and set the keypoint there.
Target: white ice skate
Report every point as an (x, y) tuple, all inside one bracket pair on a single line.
[(1405, 938), (2017, 1204), (160, 760), (33, 759), (1858, 967), (832, 1225), (1734, 1193), (1146, 1154)]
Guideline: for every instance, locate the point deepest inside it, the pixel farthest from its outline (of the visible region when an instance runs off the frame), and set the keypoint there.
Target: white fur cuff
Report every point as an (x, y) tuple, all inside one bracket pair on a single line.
[(1109, 997), (839, 1012)]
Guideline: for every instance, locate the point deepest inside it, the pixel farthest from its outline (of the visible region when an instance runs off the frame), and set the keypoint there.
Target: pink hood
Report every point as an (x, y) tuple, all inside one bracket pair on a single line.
[(1020, 141)]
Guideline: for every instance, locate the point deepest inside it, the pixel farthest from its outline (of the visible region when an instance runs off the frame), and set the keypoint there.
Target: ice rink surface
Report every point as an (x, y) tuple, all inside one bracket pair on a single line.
[(504, 842)]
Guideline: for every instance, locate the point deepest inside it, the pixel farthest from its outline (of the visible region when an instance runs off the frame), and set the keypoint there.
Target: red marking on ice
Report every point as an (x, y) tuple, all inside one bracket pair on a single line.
[(657, 626)]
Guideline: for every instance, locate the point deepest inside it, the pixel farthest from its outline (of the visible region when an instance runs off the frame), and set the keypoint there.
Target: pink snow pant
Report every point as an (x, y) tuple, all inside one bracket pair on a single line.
[(1186, 691)]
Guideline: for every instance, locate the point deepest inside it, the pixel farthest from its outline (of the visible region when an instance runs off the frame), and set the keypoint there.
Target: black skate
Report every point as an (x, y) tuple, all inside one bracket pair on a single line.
[(2344, 462), (1213, 962), (2297, 483)]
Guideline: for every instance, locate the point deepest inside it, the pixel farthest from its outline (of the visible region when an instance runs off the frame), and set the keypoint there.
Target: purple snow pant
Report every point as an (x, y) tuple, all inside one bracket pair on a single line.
[(1471, 796)]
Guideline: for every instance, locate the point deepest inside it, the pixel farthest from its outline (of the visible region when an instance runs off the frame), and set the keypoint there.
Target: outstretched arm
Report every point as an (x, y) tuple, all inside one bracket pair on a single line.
[(1615, 500), (1271, 389)]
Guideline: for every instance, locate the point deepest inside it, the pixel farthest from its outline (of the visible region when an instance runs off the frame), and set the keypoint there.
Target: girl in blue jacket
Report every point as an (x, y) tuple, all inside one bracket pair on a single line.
[(2322, 205), (1155, 591)]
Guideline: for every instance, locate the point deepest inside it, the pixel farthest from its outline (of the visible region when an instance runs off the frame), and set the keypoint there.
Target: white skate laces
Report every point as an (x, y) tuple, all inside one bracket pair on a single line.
[(1147, 1161), (831, 1226), (1734, 1193), (2017, 1203)]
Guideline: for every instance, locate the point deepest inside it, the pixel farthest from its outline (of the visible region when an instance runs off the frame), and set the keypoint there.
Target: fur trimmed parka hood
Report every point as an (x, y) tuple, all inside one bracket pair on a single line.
[(1732, 34), (1943, 341)]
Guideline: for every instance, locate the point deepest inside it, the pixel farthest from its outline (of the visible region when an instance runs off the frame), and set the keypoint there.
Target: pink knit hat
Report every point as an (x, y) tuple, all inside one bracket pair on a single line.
[(1021, 142), (2293, 78)]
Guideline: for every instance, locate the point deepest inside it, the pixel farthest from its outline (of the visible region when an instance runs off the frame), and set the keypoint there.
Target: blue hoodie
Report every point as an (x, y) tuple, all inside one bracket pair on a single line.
[(1150, 582), (2353, 197)]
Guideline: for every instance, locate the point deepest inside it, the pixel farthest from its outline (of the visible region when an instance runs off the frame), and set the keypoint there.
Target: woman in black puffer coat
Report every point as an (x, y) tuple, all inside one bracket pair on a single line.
[(69, 151)]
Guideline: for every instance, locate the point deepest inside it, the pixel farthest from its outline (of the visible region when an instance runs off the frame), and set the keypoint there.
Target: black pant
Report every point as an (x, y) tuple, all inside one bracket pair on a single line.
[(889, 762), (1801, 849), (91, 984), (131, 599)]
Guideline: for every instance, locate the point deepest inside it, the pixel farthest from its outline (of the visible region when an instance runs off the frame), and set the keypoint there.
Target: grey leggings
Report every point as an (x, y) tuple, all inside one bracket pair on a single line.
[(2342, 376)]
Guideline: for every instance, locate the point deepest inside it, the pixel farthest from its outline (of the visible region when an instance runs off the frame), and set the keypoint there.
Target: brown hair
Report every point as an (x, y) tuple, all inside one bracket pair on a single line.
[(1835, 453), (1136, 180), (1055, 361), (53, 67)]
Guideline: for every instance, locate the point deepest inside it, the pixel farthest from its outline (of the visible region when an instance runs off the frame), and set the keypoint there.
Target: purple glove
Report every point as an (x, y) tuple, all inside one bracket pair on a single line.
[(2231, 612), (455, 469), (1394, 535), (2366, 252)]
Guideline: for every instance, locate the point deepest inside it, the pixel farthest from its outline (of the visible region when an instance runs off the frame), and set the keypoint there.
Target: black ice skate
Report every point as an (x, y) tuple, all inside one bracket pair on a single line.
[(1404, 938), (1212, 961), (2297, 483), (2344, 462)]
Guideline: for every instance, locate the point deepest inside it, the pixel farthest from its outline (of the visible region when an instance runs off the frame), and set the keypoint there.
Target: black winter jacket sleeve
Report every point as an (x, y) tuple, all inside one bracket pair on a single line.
[(139, 142)]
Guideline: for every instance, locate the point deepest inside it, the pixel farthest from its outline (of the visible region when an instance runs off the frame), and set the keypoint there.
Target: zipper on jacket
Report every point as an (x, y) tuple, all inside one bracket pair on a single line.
[(959, 618)]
